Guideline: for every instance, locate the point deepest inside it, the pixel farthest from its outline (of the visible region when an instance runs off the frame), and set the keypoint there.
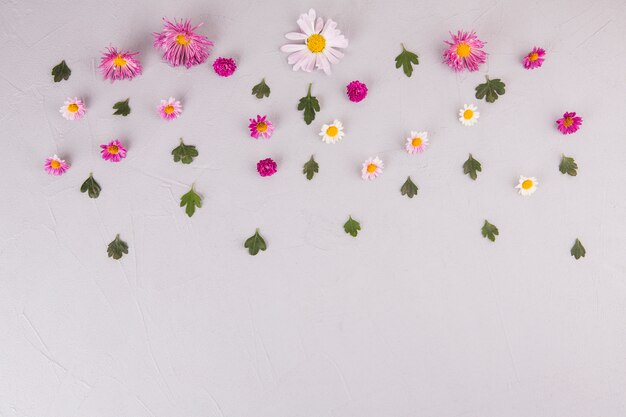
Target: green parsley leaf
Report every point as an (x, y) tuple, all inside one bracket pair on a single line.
[(310, 105), (184, 153), (255, 243), (61, 72), (310, 168), (409, 188), (261, 90), (121, 108), (117, 248), (471, 166), (352, 227), (578, 250), (568, 166), (191, 200), (490, 90), (405, 60), (489, 231), (91, 187)]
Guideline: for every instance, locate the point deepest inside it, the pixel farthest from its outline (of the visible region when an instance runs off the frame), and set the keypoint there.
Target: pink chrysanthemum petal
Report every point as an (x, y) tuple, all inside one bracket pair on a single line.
[(356, 91), (181, 45), (261, 127), (55, 166), (465, 52), (119, 65), (224, 67), (113, 151), (569, 123), (266, 167)]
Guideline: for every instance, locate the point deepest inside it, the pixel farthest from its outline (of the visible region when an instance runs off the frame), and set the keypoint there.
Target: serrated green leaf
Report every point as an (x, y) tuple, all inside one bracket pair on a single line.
[(117, 248), (61, 72), (310, 168), (310, 105), (490, 90), (471, 167), (261, 90), (191, 200), (406, 59), (489, 231), (409, 188), (578, 250), (91, 187), (255, 243), (568, 166), (184, 153), (121, 108), (352, 227)]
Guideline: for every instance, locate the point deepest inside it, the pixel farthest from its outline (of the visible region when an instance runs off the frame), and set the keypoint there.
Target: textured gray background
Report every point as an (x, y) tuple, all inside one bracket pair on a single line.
[(419, 315)]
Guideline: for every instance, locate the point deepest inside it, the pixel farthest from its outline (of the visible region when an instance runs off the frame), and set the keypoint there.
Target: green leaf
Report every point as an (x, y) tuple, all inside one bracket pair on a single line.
[(409, 189), (578, 250), (61, 72), (310, 105), (568, 166), (191, 200), (406, 59), (122, 108), (310, 168), (471, 167), (261, 90), (91, 187), (117, 248), (255, 243), (184, 153), (352, 227), (489, 231), (490, 90)]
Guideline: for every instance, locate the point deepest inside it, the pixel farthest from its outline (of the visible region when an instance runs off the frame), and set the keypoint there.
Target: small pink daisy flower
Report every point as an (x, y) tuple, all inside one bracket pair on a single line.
[(181, 45), (266, 167), (261, 127), (73, 109), (417, 142), (170, 109), (224, 67), (55, 166), (534, 59), (113, 151), (119, 65), (356, 91), (569, 123), (372, 168), (464, 52)]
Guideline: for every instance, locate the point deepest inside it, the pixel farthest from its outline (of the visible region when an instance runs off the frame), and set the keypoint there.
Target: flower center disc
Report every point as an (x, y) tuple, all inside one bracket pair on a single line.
[(119, 61), (568, 122), (332, 131), (468, 114), (371, 168), (181, 39), (316, 43), (416, 142), (113, 149), (55, 164), (527, 184), (463, 50), (72, 108), (261, 127), (533, 56), (169, 109)]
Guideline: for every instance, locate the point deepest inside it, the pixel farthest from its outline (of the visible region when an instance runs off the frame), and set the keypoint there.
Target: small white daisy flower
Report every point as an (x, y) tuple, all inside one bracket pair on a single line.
[(332, 133), (527, 185), (469, 115), (73, 109), (417, 142)]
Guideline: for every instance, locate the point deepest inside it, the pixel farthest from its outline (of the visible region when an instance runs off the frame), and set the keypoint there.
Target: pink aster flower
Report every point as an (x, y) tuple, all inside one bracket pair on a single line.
[(224, 67), (73, 109), (372, 168), (569, 123), (266, 167), (55, 166), (181, 45), (119, 65), (417, 142), (261, 127), (170, 109), (464, 52), (113, 151), (534, 59), (356, 91)]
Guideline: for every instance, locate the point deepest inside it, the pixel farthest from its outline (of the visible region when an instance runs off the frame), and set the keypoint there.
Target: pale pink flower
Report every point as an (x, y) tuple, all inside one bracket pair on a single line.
[(535, 58), (55, 166), (224, 67), (569, 123), (170, 109), (266, 167), (356, 91), (113, 151), (464, 52), (181, 45), (261, 127), (73, 109), (417, 142), (372, 168), (119, 65)]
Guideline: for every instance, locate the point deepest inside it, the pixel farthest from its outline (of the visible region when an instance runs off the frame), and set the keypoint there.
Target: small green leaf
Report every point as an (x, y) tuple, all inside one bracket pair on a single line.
[(408, 189), (406, 59), (489, 231), (255, 243), (310, 168), (490, 90), (352, 227), (91, 187), (61, 72), (121, 108), (310, 105), (261, 90), (568, 166), (191, 200), (471, 167), (578, 250), (117, 248), (184, 153)]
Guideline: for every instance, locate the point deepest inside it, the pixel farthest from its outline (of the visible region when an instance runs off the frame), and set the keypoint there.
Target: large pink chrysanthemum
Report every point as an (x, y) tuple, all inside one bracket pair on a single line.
[(569, 123), (119, 65), (181, 45), (113, 151), (261, 127), (55, 165), (464, 52)]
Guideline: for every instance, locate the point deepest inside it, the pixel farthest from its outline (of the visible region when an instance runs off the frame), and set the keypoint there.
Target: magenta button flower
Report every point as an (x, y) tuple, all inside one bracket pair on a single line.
[(113, 151), (464, 52), (266, 167), (224, 67), (356, 91), (569, 123), (261, 127), (119, 65), (55, 166), (170, 109), (181, 45), (535, 58)]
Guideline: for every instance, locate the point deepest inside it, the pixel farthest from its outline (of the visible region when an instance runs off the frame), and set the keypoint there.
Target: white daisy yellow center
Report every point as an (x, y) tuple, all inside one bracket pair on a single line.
[(261, 127), (416, 142), (119, 61), (463, 50), (527, 184), (182, 39), (113, 149), (316, 43), (55, 164), (72, 108), (371, 168), (169, 109), (533, 56), (332, 131), (468, 114)]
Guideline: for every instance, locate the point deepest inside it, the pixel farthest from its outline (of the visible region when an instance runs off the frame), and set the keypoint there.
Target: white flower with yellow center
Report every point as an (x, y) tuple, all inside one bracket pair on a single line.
[(527, 185), (417, 142), (372, 168), (319, 49), (73, 109), (332, 133), (469, 115)]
